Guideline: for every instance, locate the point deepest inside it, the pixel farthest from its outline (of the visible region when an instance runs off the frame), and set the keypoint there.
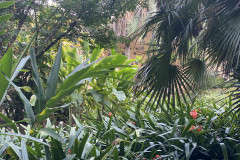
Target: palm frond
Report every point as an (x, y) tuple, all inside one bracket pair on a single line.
[(221, 40)]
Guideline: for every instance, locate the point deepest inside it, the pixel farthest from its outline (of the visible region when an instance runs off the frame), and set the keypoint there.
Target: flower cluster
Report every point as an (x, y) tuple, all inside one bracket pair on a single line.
[(197, 127), (157, 156), (193, 113), (132, 122)]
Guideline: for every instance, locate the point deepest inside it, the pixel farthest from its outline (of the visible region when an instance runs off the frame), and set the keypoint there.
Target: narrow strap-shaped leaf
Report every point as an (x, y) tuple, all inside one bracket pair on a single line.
[(40, 93), (224, 150), (47, 151), (3, 148), (53, 76), (16, 149), (73, 139), (24, 150), (174, 128), (82, 145), (26, 137), (104, 154)]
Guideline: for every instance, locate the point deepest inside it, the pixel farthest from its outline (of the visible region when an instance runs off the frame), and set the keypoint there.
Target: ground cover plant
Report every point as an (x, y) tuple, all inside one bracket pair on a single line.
[(62, 99)]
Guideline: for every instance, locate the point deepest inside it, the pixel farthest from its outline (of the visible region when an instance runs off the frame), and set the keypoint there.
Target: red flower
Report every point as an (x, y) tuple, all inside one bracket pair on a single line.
[(193, 113), (133, 122), (153, 158), (109, 114), (199, 128), (192, 128), (157, 156), (69, 151)]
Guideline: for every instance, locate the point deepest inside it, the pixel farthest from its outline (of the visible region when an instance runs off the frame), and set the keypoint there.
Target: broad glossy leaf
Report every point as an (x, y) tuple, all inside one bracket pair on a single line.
[(119, 94), (6, 4)]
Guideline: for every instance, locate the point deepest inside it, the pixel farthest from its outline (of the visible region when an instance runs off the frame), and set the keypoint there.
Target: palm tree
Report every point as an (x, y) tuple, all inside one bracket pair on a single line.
[(201, 34)]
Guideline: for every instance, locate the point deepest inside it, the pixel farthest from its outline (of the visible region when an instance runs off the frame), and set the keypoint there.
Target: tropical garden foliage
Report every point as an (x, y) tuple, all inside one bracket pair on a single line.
[(60, 98)]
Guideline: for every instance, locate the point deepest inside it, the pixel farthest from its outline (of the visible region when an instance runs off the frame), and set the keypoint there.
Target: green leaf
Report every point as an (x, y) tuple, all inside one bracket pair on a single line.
[(48, 111), (119, 94), (224, 150), (82, 146), (104, 154), (63, 93), (11, 123), (5, 69), (95, 54), (25, 137), (53, 76), (16, 149), (97, 97), (115, 154), (52, 133), (37, 149), (56, 150), (186, 129), (5, 18), (6, 4), (175, 127), (73, 139), (47, 151), (3, 148), (24, 150), (2, 32), (39, 89)]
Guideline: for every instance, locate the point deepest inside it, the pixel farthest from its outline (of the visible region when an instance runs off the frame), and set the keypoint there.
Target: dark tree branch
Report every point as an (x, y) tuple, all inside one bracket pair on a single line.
[(57, 39)]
